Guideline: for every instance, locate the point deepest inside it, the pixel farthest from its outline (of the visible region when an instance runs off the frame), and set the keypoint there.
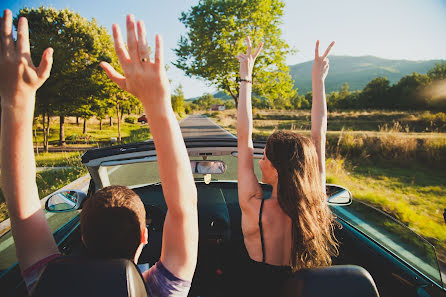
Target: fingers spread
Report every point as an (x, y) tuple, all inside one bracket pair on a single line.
[(6, 34), (143, 47), (259, 48), (23, 37), (114, 75), (248, 43), (316, 50), (327, 51), (132, 42), (44, 69), (159, 55), (120, 49)]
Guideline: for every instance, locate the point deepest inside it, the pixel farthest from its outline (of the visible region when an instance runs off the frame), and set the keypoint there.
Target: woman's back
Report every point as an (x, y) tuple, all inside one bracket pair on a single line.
[(276, 229)]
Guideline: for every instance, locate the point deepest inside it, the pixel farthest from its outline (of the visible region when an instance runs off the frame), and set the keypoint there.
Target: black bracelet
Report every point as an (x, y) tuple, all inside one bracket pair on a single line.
[(245, 80)]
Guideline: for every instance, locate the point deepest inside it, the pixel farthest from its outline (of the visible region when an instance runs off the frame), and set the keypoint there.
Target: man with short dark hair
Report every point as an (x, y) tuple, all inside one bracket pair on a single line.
[(147, 80)]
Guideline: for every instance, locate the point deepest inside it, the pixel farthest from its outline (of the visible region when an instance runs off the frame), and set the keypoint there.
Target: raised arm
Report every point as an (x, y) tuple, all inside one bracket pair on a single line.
[(19, 81), (248, 185), (319, 107), (147, 80)]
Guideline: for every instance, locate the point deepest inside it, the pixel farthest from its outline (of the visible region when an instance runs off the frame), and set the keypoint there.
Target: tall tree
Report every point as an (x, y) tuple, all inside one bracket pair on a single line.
[(77, 53), (216, 33)]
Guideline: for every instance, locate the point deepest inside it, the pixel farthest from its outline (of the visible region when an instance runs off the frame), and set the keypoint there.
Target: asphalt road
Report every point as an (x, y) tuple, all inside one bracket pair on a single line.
[(199, 126)]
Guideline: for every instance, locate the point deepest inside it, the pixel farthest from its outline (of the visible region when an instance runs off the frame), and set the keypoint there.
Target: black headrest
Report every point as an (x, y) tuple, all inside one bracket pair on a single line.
[(333, 281), (80, 276)]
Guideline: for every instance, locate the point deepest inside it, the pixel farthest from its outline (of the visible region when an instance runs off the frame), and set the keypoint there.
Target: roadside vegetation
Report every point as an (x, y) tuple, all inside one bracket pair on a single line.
[(396, 167), (57, 169)]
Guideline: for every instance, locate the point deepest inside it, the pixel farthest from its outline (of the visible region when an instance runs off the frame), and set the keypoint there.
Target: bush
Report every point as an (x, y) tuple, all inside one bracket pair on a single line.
[(130, 120)]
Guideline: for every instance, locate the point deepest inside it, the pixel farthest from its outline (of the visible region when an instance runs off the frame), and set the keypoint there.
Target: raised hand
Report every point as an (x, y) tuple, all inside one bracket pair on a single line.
[(321, 63), (19, 78), (144, 78), (247, 60)]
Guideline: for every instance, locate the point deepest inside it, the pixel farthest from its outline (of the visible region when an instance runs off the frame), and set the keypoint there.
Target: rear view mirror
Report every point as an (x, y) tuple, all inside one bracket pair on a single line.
[(65, 201), (208, 167), (337, 195)]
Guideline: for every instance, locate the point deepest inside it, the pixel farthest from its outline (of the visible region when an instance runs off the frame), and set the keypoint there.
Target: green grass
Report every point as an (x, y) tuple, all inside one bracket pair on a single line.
[(49, 181), (414, 194), (94, 136), (62, 159)]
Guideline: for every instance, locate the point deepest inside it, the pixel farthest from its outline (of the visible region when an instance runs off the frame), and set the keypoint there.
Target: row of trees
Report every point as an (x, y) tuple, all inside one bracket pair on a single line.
[(413, 91), (77, 85)]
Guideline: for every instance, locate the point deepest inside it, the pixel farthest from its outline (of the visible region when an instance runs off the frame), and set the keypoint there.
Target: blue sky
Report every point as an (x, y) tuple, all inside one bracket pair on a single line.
[(393, 29)]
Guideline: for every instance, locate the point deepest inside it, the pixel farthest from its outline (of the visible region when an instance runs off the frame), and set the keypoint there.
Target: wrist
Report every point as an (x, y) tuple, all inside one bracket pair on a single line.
[(18, 106)]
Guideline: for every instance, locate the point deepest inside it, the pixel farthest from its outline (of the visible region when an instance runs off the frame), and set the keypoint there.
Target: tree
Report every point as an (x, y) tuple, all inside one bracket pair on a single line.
[(177, 100), (216, 33), (408, 93), (206, 101), (438, 71), (78, 49), (376, 94)]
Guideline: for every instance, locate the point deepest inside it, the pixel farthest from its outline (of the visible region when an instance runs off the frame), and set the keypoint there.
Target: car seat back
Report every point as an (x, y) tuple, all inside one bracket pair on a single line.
[(81, 276), (333, 281)]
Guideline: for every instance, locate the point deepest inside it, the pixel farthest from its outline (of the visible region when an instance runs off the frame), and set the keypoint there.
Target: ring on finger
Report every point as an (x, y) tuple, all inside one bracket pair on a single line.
[(145, 59)]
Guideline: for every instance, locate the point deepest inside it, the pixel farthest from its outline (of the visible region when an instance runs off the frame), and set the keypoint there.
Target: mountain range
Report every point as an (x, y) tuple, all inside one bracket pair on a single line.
[(356, 71)]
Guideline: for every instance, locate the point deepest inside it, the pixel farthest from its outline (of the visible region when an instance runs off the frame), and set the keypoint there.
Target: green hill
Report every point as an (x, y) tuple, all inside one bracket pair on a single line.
[(357, 71)]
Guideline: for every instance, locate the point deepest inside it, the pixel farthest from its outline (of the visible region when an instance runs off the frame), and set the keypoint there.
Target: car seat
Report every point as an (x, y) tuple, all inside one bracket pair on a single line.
[(333, 281), (82, 276)]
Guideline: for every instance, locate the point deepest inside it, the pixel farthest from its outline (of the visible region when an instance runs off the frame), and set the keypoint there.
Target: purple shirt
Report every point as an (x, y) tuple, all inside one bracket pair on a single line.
[(160, 281)]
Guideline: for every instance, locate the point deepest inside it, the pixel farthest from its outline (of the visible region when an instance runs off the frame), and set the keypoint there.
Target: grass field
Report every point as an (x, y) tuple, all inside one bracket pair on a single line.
[(48, 181), (94, 136), (396, 167), (392, 160)]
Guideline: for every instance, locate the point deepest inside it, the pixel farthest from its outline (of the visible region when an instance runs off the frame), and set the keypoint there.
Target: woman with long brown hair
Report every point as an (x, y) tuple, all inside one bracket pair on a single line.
[(293, 229)]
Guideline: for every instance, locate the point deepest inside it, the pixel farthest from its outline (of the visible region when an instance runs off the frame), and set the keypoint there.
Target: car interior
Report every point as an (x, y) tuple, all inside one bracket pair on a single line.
[(222, 252)]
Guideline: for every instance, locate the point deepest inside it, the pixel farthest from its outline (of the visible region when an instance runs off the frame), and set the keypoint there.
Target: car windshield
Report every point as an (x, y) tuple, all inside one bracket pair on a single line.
[(136, 174)]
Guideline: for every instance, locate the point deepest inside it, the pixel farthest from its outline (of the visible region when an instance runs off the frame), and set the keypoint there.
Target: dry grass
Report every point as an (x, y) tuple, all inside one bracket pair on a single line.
[(394, 160)]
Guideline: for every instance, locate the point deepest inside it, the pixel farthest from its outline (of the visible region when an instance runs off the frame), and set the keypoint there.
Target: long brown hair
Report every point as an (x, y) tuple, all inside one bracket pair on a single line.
[(301, 197)]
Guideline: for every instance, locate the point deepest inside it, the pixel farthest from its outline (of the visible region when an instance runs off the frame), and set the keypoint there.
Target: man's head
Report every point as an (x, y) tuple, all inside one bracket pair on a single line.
[(113, 223)]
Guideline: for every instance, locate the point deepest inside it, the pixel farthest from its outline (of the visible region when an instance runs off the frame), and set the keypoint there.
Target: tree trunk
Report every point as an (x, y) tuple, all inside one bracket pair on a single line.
[(119, 121), (111, 122), (77, 121), (35, 139), (234, 96), (122, 115), (85, 126), (48, 127), (62, 131), (44, 133), (100, 124)]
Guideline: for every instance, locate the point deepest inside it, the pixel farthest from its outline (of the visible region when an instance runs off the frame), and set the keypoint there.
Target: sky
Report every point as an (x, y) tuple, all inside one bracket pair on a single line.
[(392, 29)]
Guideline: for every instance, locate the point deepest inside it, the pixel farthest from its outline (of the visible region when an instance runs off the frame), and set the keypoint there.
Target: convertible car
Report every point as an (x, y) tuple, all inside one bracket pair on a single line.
[(400, 262)]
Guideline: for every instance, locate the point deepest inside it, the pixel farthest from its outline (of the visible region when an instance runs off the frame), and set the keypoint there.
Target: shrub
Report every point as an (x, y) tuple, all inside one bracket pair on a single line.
[(130, 120)]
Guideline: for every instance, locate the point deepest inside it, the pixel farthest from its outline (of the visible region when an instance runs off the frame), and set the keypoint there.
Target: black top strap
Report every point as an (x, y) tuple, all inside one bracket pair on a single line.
[(261, 231)]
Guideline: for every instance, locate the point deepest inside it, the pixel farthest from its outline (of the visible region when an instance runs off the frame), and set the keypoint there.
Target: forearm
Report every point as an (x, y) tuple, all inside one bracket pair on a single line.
[(32, 235), (319, 123), (18, 163), (173, 161), (244, 115)]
